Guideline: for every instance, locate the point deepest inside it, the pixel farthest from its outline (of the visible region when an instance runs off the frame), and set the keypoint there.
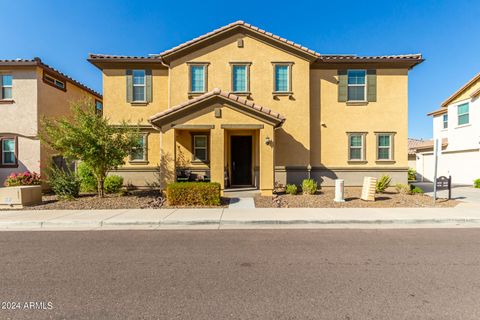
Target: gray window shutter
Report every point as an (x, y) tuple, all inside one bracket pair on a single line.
[(1, 85), (148, 84), (129, 86), (342, 86), (372, 85)]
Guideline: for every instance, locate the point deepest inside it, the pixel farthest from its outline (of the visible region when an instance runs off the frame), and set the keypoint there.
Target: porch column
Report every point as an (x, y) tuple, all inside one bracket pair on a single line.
[(267, 161), (167, 158), (217, 156)]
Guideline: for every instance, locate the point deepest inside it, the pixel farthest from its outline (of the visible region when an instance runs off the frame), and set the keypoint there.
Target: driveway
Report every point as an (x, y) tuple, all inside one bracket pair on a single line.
[(459, 192)]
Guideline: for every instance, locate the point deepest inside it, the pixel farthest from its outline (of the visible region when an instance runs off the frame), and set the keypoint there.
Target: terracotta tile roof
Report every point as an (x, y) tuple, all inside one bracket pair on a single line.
[(336, 57), (415, 145), (38, 62), (461, 90), (106, 57), (227, 96)]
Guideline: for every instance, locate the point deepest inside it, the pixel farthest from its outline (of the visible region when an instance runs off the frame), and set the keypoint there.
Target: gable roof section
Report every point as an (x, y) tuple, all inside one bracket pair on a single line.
[(424, 145), (39, 63), (462, 90), (408, 60), (213, 97)]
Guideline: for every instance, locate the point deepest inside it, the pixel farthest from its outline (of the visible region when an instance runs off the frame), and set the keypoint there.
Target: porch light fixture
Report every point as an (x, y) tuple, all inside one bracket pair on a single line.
[(268, 141)]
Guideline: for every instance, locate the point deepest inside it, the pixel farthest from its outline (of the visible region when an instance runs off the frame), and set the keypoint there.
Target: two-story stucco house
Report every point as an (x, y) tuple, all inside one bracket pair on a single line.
[(29, 90), (243, 107), (457, 125)]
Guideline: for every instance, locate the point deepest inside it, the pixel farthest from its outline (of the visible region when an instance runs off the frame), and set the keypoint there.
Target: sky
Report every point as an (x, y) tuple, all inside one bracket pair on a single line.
[(447, 33)]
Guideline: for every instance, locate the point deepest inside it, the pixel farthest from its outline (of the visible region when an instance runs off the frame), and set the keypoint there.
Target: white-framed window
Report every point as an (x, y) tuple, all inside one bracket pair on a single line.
[(9, 157), (98, 107), (356, 147), (200, 147), (384, 146), (6, 86), (239, 78), (463, 113), (282, 77), (445, 121), (139, 87), (198, 78), (140, 153), (357, 85)]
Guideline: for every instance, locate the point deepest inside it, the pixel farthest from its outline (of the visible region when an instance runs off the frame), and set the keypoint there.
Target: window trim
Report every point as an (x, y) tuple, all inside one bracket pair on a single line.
[(358, 85), (391, 147), (205, 77), (247, 77), (96, 109), (290, 67), (4, 86), (362, 147), (144, 160), (444, 121), (462, 114), (9, 165), (144, 85), (207, 144), (54, 81)]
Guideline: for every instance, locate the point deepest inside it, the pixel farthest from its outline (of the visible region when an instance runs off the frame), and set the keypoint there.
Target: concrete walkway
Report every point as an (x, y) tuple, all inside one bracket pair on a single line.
[(464, 215)]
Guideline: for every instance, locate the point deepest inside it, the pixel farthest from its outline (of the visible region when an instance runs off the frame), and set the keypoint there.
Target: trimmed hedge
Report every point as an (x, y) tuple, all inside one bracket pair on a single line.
[(193, 194), (113, 184)]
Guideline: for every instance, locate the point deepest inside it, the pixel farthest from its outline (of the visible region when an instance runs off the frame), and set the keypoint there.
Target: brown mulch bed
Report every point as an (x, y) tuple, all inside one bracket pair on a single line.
[(139, 199), (324, 199)]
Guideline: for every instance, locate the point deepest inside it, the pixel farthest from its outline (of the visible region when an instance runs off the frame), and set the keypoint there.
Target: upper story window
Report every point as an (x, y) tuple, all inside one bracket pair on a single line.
[(356, 146), (463, 113), (5, 86), (139, 87), (98, 107), (240, 78), (282, 77), (357, 85), (198, 78), (139, 154), (384, 146), (445, 121), (9, 151), (53, 81), (200, 151)]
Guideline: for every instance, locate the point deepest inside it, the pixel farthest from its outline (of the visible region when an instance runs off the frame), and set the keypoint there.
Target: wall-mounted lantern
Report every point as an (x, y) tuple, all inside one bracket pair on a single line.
[(268, 141)]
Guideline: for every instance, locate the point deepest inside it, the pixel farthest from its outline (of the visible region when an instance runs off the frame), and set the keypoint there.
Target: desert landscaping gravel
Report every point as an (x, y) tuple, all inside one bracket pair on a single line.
[(324, 199)]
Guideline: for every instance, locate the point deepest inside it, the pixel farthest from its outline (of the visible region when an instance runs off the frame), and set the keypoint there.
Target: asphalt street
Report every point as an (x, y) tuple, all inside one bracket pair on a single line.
[(241, 274)]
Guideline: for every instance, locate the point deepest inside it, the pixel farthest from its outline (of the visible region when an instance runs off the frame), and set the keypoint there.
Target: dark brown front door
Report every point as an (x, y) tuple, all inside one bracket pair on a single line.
[(241, 152)]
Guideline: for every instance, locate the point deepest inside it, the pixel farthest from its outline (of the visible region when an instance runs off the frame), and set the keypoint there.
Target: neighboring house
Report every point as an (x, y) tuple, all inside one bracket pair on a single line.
[(243, 107), (457, 125), (30, 90), (412, 157)]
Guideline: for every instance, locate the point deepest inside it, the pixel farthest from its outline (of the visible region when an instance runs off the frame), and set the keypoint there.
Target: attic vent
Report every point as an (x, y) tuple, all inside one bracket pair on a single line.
[(240, 43)]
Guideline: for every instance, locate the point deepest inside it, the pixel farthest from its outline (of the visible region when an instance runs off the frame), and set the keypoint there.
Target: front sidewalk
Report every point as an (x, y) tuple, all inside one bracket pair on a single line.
[(464, 215)]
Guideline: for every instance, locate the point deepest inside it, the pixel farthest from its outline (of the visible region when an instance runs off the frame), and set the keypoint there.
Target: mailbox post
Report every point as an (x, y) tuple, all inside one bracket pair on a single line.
[(444, 183)]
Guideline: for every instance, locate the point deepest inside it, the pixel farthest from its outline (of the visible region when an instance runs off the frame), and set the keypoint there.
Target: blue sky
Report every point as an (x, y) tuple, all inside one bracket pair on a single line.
[(447, 33)]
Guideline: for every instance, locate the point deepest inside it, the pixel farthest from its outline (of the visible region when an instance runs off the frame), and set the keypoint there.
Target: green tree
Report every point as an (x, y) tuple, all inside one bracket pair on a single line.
[(91, 138)]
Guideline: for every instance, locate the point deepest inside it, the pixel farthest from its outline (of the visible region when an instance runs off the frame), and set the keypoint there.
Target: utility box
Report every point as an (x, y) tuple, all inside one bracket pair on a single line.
[(369, 188), (17, 197)]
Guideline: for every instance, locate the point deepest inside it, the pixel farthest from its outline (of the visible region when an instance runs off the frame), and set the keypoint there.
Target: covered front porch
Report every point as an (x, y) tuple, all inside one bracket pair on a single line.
[(219, 137)]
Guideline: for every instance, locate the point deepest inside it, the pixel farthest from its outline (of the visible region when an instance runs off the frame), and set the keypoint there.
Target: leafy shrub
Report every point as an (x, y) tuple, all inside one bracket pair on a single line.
[(22, 179), (412, 174), (414, 189), (291, 189), (113, 184), (64, 183), (402, 188), (383, 183), (193, 194), (476, 183), (88, 182), (309, 186)]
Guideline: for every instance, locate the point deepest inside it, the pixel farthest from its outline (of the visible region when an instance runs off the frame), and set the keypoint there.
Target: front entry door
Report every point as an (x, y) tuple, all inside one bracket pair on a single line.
[(241, 155)]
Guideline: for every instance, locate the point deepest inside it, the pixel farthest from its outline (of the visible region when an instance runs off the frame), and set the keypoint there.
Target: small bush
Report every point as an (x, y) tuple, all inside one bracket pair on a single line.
[(87, 178), (402, 188), (64, 183), (113, 184), (414, 189), (22, 179), (291, 189), (412, 174), (383, 183), (476, 183), (309, 186), (193, 194)]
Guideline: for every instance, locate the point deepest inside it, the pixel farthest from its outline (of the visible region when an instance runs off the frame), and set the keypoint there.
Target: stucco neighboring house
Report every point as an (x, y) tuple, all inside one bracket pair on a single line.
[(30, 89), (457, 125), (243, 107)]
